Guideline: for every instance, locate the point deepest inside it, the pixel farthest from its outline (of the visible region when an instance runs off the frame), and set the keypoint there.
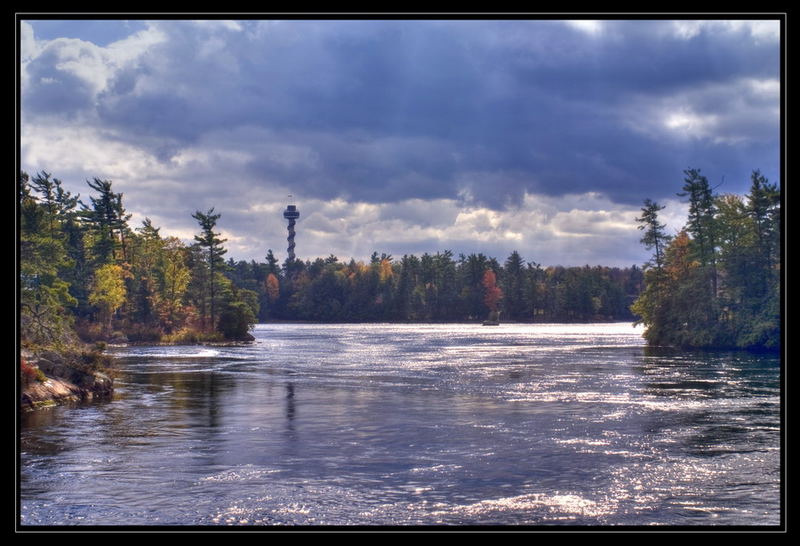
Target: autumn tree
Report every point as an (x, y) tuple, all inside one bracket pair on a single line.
[(108, 292), (273, 288), (174, 279), (492, 293)]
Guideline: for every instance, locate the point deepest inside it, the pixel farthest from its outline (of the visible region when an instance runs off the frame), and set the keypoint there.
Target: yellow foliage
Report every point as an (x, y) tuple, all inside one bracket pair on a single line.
[(385, 272), (108, 289)]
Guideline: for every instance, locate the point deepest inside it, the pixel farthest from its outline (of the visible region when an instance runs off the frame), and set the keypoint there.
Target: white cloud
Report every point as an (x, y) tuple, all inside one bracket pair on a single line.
[(545, 229), (29, 47), (71, 149), (588, 26), (741, 111), (212, 24), (759, 30), (64, 72), (131, 48), (689, 123)]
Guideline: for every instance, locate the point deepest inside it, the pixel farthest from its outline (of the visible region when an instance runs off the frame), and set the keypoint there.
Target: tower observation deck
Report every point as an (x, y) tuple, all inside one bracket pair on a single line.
[(291, 213)]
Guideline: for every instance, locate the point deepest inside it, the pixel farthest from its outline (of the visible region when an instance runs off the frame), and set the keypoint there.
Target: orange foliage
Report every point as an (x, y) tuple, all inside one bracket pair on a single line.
[(492, 292), (678, 259), (273, 287)]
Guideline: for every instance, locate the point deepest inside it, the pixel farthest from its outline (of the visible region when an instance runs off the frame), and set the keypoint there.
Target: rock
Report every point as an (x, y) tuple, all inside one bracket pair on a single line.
[(64, 383)]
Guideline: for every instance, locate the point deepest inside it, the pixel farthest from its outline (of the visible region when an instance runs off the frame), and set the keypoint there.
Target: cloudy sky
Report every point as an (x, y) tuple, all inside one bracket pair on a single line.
[(403, 136)]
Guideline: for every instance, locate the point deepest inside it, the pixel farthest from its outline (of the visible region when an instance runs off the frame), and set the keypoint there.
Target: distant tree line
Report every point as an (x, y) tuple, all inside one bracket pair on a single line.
[(437, 288), (717, 283)]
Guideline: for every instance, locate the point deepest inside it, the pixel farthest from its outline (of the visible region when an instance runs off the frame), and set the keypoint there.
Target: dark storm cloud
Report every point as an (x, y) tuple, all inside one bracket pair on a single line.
[(392, 110)]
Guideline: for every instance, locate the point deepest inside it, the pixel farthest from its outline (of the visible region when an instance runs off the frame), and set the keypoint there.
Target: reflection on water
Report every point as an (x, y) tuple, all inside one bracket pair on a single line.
[(415, 425)]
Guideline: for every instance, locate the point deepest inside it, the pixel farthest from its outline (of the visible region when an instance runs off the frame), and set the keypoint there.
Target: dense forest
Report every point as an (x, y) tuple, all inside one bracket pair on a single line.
[(437, 288), (717, 283), (86, 274)]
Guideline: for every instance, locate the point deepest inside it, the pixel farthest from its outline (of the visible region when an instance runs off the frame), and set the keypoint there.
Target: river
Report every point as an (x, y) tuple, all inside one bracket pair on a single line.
[(414, 425)]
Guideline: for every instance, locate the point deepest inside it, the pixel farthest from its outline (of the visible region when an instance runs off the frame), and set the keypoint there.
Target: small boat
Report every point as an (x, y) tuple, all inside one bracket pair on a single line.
[(491, 323)]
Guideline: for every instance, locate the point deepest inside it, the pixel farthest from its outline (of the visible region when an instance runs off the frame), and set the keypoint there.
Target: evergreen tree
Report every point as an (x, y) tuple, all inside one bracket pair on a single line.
[(763, 207), (59, 204), (654, 238), (44, 296), (272, 264), (472, 269), (107, 222), (212, 265), (446, 279), (405, 287), (514, 286), (700, 224)]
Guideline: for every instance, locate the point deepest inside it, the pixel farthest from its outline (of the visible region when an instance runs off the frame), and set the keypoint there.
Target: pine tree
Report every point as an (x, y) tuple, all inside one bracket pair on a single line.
[(213, 264), (513, 286), (654, 237), (700, 224), (763, 207), (272, 264), (44, 296), (107, 221)]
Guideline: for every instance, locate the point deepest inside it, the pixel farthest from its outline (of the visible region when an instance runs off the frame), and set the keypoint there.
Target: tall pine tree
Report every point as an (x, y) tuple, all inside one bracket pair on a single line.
[(212, 250)]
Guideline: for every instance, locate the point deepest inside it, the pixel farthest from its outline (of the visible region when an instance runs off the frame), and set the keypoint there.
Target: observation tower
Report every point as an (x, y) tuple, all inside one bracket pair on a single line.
[(291, 213)]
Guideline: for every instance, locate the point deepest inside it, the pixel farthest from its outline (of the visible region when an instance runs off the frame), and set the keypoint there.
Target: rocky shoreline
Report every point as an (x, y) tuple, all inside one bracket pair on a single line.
[(56, 379)]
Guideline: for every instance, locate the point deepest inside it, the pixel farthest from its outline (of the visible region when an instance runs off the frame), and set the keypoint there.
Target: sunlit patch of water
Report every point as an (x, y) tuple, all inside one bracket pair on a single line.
[(414, 425)]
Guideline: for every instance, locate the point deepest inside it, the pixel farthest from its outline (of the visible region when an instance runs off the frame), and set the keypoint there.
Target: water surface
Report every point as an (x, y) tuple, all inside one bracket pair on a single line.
[(400, 425)]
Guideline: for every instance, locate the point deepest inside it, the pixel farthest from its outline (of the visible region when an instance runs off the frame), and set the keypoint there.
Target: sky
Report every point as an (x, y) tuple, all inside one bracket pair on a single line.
[(403, 136)]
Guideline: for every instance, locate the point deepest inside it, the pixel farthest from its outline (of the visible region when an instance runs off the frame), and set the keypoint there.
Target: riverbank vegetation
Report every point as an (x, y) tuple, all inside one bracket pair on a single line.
[(717, 283), (86, 275)]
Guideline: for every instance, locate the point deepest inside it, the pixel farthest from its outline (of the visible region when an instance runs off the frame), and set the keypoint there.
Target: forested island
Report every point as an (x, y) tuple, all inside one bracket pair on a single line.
[(88, 278), (717, 283)]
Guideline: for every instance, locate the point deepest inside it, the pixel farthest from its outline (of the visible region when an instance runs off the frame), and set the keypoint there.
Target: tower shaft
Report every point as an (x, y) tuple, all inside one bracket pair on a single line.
[(292, 214), (290, 238)]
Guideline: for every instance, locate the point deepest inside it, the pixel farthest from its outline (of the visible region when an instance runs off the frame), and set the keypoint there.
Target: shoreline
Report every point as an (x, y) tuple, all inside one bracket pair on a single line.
[(55, 379)]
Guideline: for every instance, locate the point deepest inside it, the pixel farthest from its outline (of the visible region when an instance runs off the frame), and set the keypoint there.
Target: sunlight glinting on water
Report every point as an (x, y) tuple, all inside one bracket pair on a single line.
[(415, 424)]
